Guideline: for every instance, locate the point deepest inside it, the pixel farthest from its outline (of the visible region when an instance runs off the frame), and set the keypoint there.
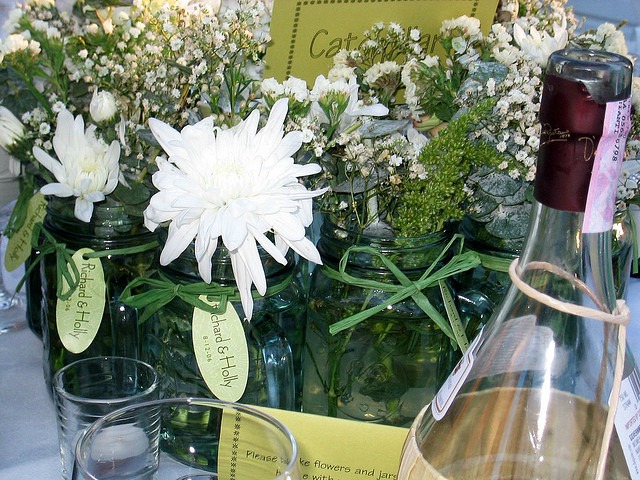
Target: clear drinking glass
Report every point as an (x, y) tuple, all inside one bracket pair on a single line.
[(187, 438), (93, 387)]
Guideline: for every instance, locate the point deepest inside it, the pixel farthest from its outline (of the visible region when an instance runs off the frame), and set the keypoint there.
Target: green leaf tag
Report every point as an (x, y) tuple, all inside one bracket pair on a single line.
[(78, 318), (221, 351), (19, 245)]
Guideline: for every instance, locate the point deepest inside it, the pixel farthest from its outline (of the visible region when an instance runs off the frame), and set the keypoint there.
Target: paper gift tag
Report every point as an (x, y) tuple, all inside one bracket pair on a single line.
[(221, 351), (79, 317), (19, 245)]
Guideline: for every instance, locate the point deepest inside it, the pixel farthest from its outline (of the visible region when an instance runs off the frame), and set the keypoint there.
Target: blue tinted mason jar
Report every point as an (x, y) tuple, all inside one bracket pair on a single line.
[(387, 366), (126, 250), (274, 335)]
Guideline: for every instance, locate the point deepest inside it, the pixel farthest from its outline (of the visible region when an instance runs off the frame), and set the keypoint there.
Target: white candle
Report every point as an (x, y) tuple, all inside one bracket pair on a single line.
[(119, 449)]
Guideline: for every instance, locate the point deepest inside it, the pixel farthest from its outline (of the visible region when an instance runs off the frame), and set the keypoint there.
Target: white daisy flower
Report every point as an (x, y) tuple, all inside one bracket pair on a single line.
[(237, 185)]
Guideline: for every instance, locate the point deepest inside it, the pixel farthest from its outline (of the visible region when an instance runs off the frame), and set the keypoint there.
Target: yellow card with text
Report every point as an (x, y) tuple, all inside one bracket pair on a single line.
[(337, 449), (306, 34)]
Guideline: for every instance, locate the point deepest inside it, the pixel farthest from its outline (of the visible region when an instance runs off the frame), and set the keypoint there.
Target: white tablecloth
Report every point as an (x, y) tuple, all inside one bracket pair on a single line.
[(28, 436)]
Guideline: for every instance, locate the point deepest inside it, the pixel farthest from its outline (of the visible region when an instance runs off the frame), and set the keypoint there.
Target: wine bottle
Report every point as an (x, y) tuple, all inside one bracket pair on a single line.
[(534, 396)]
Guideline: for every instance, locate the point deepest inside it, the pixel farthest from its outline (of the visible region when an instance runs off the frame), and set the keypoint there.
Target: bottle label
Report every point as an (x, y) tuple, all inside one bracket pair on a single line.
[(447, 393), (607, 166), (220, 346), (79, 317), (628, 422)]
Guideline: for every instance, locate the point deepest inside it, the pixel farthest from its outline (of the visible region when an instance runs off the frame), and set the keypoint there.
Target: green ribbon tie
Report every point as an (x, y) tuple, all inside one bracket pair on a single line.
[(493, 262), (406, 288), (66, 269), (19, 213), (160, 291)]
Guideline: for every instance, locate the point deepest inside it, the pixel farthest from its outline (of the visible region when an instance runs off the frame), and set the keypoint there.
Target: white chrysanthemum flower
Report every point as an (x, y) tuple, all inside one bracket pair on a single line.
[(86, 168), (237, 185), (11, 129), (539, 46)]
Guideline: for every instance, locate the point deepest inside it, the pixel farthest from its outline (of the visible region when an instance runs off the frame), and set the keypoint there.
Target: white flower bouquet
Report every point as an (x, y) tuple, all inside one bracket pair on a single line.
[(506, 68), (406, 142), (384, 177), (116, 67)]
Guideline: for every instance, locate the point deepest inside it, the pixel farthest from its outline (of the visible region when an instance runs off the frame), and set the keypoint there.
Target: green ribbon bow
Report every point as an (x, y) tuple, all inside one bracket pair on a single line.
[(460, 262), (160, 291), (66, 268), (493, 262)]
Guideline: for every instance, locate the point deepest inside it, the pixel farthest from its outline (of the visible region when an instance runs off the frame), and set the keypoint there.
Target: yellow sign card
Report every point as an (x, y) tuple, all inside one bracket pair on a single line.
[(337, 449), (307, 34)]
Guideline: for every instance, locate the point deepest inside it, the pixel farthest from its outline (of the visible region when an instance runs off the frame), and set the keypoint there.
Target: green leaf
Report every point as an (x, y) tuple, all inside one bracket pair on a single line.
[(14, 93), (379, 128), (483, 71), (147, 137), (135, 194), (512, 222), (500, 184)]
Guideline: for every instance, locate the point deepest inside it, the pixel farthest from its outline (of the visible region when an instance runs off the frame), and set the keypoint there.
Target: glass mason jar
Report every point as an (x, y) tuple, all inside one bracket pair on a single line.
[(274, 335), (34, 297), (485, 285), (622, 247), (385, 367), (116, 228)]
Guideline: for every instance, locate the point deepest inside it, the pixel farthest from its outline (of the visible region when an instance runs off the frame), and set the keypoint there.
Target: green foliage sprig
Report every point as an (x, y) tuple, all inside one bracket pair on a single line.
[(429, 202)]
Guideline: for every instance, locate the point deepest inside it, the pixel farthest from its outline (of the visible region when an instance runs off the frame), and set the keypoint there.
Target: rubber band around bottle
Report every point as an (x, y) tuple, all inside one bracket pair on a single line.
[(620, 316)]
